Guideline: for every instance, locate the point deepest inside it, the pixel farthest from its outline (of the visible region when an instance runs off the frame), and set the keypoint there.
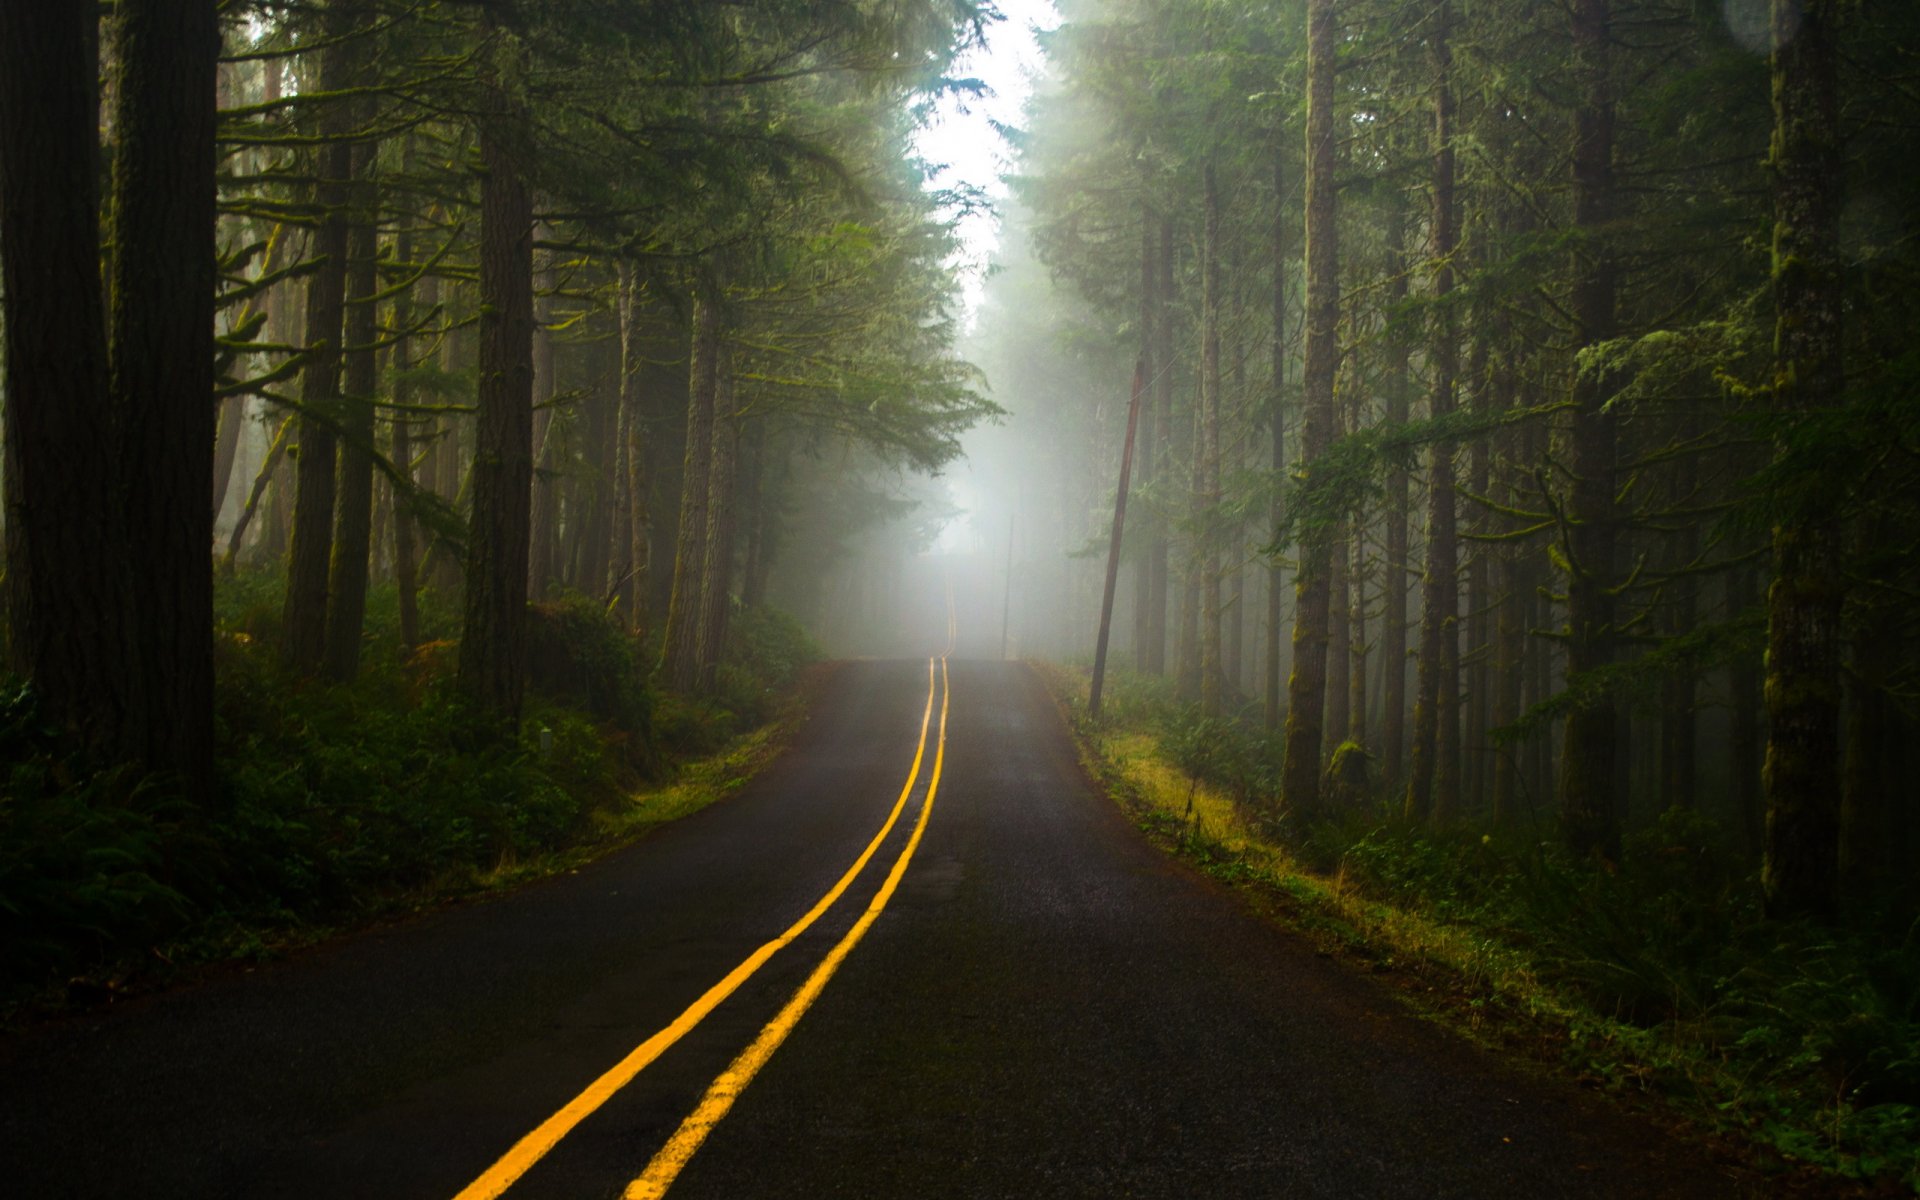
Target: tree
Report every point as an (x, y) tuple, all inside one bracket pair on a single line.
[(1306, 690), (493, 633), (1803, 605)]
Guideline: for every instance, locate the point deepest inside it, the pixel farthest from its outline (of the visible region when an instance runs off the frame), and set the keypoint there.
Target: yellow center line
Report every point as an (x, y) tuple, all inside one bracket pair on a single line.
[(533, 1147), (666, 1165)]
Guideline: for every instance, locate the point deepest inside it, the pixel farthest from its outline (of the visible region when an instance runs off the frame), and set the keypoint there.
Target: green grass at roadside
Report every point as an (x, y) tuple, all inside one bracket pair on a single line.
[(341, 805), (1659, 980)]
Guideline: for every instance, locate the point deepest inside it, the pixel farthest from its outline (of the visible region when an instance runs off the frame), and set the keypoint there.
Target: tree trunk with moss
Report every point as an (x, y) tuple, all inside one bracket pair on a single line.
[(542, 562), (1306, 689), (310, 544), (493, 634), (1433, 777), (1803, 693), (716, 579), (67, 623), (1277, 433), (353, 503), (680, 641), (1395, 503), (1146, 523), (1588, 818), (1207, 456)]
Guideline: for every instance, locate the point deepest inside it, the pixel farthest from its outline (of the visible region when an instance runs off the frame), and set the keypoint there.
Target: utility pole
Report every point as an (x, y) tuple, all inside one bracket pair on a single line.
[(1113, 547)]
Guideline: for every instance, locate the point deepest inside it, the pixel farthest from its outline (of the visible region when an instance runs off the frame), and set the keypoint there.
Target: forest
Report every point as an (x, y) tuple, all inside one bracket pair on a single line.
[(443, 440), (415, 414), (1523, 490)]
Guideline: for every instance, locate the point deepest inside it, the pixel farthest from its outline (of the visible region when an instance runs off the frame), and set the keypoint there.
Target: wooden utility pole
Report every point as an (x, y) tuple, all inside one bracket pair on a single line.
[(1113, 547)]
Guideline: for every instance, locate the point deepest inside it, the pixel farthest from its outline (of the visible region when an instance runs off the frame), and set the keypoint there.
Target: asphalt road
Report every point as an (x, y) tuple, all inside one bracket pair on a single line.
[(1046, 1006)]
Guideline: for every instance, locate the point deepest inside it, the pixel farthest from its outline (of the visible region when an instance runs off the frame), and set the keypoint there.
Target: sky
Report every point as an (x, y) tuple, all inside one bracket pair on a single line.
[(961, 139)]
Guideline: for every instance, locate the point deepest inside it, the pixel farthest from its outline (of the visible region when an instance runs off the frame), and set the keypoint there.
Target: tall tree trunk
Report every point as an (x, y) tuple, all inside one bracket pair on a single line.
[(1393, 615), (1207, 460), (755, 511), (1474, 762), (1189, 671), (1803, 693), (592, 532), (1277, 428), (162, 385), (1165, 425), (310, 548), (406, 563), (1306, 690), (680, 642), (353, 504), (67, 619), (1356, 730), (1743, 732), (493, 634), (1433, 781), (1588, 817), (716, 582), (1679, 723), (541, 565), (637, 486), (1509, 597), (1339, 632), (1145, 525)]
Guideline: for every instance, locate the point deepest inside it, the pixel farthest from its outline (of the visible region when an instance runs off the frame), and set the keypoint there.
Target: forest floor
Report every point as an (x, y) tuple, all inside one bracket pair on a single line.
[(1380, 902)]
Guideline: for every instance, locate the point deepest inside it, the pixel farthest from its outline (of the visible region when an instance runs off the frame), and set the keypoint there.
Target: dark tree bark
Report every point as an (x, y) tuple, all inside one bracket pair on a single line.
[(1393, 615), (542, 567), (353, 502), (1743, 732), (637, 484), (1358, 649), (67, 620), (1339, 712), (162, 377), (1588, 817), (1306, 690), (1479, 606), (756, 512), (1277, 428), (1164, 429), (406, 554), (716, 578), (592, 528), (680, 641), (1433, 780), (1207, 458), (1509, 584), (1145, 653), (1803, 693), (1679, 720), (310, 547), (493, 637)]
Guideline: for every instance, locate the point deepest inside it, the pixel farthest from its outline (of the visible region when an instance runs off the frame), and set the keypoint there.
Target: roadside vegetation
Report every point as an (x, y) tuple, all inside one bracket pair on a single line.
[(339, 804), (1658, 979)]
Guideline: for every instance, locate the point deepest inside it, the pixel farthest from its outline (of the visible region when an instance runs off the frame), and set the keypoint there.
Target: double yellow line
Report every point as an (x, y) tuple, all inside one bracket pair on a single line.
[(720, 1095)]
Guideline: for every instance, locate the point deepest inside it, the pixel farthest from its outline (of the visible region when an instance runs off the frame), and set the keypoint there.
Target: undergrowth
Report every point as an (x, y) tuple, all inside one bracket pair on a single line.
[(1660, 977), (336, 804)]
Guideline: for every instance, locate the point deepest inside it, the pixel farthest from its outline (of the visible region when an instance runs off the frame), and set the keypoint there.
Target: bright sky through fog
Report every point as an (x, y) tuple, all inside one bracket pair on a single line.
[(960, 137)]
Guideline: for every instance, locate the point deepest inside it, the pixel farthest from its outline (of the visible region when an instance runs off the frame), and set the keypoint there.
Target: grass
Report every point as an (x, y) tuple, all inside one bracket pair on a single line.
[(338, 806), (1659, 982)]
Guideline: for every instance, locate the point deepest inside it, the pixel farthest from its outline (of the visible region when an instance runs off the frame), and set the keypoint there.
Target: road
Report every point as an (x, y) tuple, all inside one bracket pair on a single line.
[(1015, 996)]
